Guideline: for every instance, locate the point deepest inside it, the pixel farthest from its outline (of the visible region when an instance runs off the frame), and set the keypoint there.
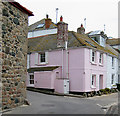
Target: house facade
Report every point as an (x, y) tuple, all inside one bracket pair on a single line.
[(67, 61), (112, 60), (13, 53)]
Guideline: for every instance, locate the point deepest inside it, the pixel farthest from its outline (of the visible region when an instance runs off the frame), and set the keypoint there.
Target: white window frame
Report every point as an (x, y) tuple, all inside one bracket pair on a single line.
[(113, 62), (36, 58), (112, 79), (91, 57), (46, 58), (31, 74), (93, 81), (101, 58)]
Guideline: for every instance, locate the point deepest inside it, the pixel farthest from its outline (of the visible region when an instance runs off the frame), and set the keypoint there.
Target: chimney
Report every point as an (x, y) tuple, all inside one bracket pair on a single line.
[(62, 33), (61, 19), (81, 30), (48, 22)]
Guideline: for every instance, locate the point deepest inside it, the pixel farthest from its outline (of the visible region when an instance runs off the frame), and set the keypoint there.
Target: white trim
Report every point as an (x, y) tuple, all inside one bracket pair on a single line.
[(36, 58), (46, 59), (30, 79), (93, 86), (28, 61)]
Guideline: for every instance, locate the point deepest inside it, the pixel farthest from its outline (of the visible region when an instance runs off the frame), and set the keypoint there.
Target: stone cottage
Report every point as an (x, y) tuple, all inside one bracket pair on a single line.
[(13, 52)]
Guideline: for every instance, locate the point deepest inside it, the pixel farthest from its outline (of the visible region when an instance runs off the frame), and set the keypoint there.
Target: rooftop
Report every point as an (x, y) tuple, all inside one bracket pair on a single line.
[(20, 7), (49, 42)]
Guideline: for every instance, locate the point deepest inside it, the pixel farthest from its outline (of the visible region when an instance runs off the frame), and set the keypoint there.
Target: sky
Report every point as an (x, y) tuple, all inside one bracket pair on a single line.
[(97, 13)]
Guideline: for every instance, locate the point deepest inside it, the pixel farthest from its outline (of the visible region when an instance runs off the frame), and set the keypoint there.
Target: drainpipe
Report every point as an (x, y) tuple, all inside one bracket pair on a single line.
[(67, 72), (62, 63)]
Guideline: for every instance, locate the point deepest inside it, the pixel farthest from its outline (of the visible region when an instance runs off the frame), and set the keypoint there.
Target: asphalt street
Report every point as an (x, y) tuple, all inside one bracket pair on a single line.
[(50, 104)]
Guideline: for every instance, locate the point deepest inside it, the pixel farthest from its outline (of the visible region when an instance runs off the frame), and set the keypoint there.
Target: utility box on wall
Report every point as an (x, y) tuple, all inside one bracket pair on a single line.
[(13, 53)]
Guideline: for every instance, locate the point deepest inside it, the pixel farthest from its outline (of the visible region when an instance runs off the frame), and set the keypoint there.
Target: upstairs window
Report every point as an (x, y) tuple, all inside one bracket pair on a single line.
[(101, 58), (93, 56), (42, 57), (113, 62)]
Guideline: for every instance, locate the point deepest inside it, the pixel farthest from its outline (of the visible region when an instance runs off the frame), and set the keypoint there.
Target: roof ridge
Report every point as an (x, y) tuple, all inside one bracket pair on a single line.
[(36, 22)]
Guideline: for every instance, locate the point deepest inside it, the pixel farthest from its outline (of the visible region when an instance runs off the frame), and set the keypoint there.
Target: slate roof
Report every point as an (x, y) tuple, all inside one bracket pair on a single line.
[(49, 42), (113, 41), (33, 27)]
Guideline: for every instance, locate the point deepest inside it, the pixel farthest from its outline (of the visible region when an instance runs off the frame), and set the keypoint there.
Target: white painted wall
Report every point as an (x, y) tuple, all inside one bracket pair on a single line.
[(102, 41), (111, 70), (42, 32)]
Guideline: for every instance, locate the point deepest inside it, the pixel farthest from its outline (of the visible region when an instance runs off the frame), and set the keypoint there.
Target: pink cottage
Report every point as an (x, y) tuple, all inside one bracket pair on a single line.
[(67, 61)]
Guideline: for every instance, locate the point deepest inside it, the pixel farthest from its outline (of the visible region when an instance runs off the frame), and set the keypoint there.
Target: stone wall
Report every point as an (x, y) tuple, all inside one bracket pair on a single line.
[(14, 51), (0, 56)]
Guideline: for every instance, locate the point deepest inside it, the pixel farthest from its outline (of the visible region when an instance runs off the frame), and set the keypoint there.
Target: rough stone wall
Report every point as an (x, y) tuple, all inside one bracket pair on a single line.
[(0, 56), (14, 55)]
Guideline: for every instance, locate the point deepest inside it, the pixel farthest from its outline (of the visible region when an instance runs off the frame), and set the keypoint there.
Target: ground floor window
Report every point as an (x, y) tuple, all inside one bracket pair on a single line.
[(93, 80), (31, 78), (112, 79)]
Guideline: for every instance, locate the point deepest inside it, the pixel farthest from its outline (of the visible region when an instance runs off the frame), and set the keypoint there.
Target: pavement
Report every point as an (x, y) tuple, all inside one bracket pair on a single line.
[(51, 104)]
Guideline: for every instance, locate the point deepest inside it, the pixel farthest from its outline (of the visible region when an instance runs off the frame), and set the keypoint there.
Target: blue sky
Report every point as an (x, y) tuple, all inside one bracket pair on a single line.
[(96, 12)]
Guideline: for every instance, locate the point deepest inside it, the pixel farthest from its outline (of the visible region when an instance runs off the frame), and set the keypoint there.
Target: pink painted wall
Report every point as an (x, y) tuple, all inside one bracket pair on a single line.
[(43, 79), (80, 70), (94, 69)]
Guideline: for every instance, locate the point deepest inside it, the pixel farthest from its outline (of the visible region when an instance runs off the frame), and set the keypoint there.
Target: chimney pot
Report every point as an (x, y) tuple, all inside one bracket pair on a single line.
[(61, 18), (81, 25), (47, 16)]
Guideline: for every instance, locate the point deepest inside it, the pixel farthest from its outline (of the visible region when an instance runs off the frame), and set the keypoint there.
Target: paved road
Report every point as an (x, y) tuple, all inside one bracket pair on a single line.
[(49, 104)]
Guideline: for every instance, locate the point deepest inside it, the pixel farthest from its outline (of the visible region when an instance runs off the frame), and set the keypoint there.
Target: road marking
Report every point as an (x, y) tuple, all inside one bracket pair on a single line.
[(105, 108)]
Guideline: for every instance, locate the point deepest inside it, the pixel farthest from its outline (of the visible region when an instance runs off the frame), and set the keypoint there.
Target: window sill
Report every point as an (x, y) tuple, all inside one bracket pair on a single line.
[(93, 63), (100, 64), (93, 87), (44, 63)]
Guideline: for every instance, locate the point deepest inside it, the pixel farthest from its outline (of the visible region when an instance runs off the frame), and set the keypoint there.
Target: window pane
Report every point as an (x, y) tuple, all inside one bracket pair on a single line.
[(42, 57), (93, 56), (112, 80), (31, 79)]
